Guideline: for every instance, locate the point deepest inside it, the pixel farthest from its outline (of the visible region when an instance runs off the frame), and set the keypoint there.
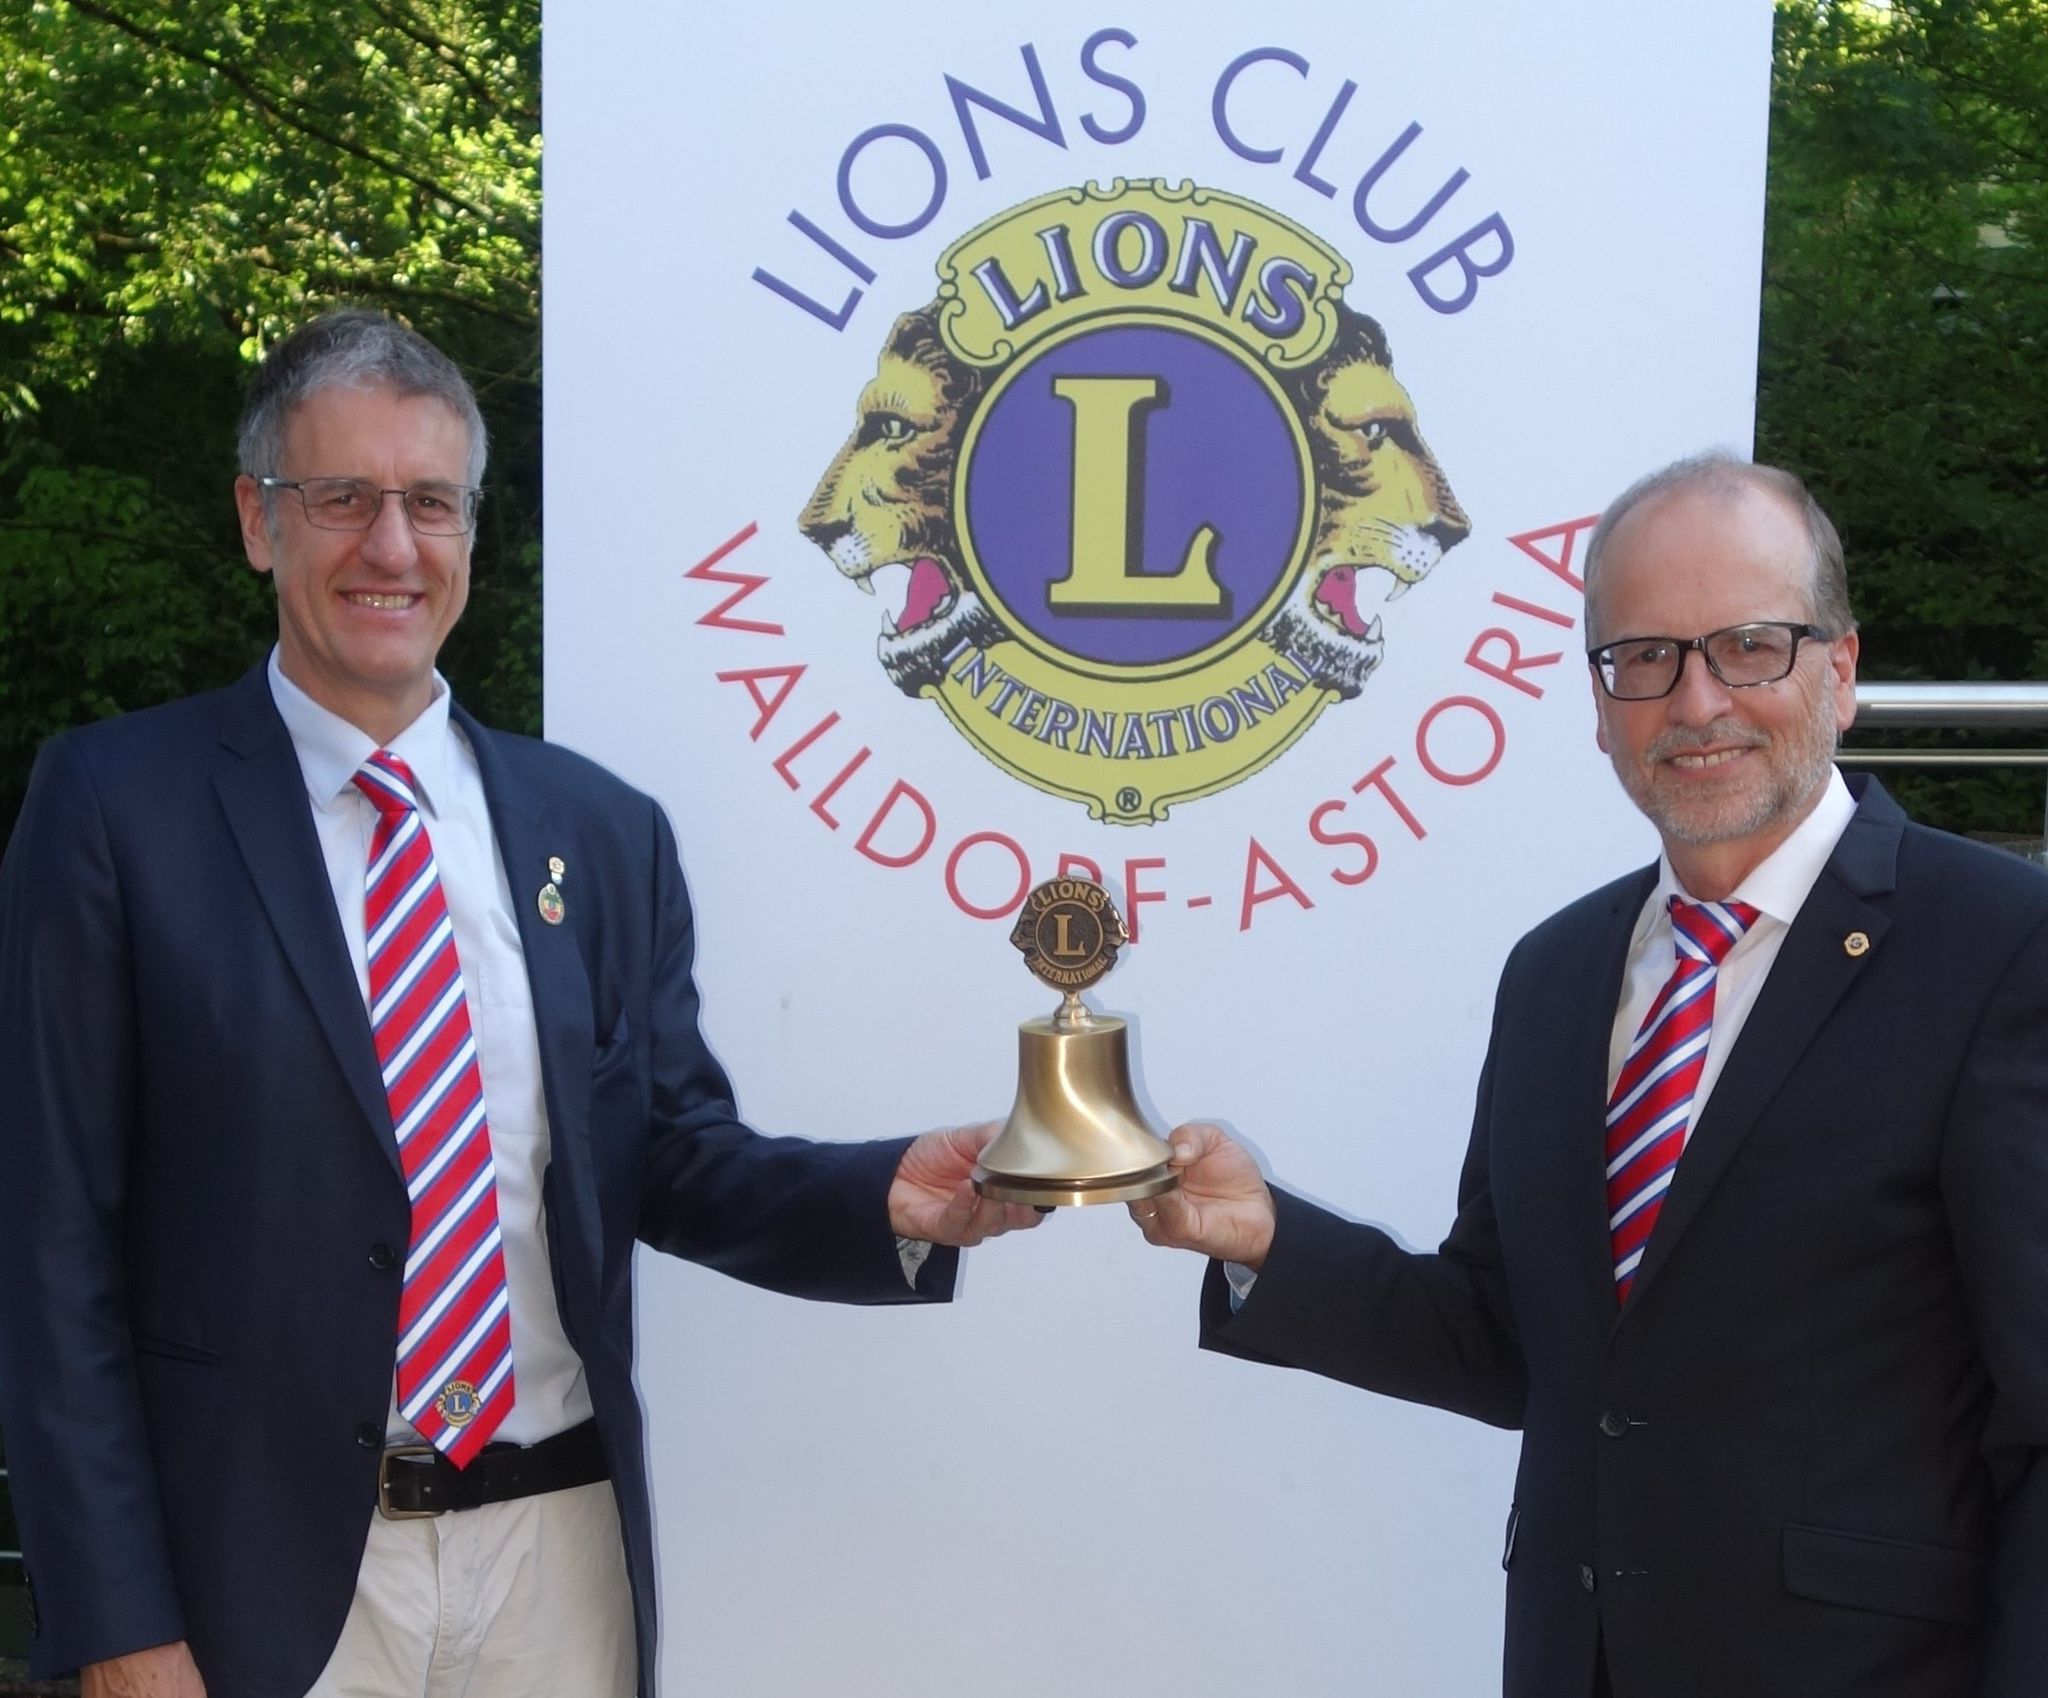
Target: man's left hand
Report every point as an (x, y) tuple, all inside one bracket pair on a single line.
[(933, 1197)]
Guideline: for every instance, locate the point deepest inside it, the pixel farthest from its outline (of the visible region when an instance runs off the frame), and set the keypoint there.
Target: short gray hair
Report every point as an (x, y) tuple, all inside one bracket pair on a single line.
[(351, 349), (1723, 473)]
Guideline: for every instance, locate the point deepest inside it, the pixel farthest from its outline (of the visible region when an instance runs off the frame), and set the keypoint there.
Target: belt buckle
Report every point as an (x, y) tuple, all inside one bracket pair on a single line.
[(384, 1484)]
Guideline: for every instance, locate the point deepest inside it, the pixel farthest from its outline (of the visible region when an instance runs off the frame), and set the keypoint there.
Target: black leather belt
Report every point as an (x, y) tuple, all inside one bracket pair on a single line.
[(416, 1480)]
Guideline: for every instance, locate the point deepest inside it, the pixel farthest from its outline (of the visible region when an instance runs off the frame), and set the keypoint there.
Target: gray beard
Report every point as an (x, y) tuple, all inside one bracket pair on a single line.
[(1799, 779)]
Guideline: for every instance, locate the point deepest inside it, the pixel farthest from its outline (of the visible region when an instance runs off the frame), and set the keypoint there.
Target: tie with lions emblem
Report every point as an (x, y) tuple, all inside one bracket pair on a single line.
[(454, 1320)]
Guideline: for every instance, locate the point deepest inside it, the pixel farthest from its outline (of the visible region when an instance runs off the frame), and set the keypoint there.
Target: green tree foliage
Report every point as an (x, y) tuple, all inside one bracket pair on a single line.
[(1905, 336), (182, 180), (180, 185)]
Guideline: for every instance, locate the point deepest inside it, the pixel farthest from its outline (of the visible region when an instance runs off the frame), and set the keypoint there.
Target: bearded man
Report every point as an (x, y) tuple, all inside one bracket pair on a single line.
[(1752, 1232)]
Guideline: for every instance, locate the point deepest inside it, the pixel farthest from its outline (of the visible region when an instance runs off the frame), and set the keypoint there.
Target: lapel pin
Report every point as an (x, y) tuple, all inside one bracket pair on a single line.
[(1856, 943), (550, 903), (557, 868)]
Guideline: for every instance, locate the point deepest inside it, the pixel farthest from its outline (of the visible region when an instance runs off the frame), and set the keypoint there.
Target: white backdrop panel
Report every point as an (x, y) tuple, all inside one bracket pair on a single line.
[(1046, 1487)]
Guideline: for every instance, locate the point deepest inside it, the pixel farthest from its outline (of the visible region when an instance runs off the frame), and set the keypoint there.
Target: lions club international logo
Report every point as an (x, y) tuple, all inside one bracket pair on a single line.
[(1133, 474)]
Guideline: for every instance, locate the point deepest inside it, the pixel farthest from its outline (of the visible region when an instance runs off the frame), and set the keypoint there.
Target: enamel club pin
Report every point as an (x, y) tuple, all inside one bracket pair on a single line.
[(550, 898)]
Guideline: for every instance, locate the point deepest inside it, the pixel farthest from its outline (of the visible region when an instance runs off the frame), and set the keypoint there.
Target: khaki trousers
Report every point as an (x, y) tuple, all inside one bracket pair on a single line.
[(526, 1599)]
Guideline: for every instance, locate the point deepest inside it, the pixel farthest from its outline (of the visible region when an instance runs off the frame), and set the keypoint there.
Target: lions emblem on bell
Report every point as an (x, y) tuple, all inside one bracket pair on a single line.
[(1128, 480)]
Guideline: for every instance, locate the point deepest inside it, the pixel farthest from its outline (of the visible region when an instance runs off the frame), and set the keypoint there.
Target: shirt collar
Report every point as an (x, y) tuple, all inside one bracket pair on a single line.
[(331, 750), (1779, 884)]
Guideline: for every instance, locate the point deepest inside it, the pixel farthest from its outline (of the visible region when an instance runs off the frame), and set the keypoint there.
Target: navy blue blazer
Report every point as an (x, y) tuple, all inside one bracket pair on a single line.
[(1806, 1457), (197, 1164)]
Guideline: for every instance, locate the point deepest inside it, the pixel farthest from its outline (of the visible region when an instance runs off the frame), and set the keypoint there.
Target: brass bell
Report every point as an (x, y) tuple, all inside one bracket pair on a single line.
[(1075, 1133)]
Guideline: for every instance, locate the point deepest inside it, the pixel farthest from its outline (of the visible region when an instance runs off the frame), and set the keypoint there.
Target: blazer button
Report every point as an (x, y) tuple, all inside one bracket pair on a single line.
[(370, 1436), (1586, 1575), (1614, 1423), (382, 1256)]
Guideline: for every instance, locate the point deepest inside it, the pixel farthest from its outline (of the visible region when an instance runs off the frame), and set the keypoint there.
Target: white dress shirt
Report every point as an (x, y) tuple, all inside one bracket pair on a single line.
[(551, 1395), (1777, 887)]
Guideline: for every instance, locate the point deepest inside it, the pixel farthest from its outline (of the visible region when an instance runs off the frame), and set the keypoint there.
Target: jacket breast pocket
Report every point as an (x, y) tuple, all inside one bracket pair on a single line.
[(1886, 1576), (1812, 1136)]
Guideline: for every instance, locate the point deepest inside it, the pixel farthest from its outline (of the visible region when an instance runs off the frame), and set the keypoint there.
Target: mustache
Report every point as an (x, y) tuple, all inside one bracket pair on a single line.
[(1691, 739)]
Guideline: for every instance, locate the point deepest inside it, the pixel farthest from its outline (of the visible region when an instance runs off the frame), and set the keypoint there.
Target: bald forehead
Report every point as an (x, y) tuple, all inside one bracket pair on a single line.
[(1730, 542), (1730, 491)]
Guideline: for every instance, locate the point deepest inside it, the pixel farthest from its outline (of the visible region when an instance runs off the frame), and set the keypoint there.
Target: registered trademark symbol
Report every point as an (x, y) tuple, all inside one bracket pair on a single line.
[(1128, 799)]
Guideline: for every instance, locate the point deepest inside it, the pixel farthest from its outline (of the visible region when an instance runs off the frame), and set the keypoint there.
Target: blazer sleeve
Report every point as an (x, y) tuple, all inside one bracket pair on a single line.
[(1346, 1301), (1995, 1187), (791, 1214), (78, 1453)]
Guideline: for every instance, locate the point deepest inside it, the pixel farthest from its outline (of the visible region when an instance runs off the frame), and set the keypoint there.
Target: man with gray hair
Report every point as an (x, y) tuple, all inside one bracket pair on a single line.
[(1752, 1233), (350, 1047)]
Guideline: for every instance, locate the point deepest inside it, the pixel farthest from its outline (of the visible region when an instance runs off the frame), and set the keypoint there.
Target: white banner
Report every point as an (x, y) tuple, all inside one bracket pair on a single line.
[(1217, 407)]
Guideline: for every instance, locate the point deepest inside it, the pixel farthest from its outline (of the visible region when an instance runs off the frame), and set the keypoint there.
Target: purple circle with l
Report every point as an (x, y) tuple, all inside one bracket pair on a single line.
[(1135, 494)]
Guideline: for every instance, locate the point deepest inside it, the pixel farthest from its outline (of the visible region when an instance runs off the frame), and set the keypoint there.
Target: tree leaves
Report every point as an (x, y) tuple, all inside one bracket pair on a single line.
[(199, 170), (182, 185), (1905, 324)]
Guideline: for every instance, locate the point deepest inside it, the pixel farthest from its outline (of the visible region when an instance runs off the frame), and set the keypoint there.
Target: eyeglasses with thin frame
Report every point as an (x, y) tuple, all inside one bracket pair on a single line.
[(1641, 669), (352, 504)]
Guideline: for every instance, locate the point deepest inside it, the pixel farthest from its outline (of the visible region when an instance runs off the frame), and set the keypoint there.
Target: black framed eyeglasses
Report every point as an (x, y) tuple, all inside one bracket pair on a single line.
[(352, 504), (1640, 669)]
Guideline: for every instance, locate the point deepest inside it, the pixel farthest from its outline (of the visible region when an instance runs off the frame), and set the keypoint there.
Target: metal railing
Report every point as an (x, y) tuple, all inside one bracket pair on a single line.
[(1951, 707)]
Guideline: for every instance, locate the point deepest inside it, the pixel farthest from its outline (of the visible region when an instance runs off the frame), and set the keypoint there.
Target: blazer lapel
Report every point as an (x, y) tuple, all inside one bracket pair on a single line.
[(529, 835), (1811, 975), (263, 793)]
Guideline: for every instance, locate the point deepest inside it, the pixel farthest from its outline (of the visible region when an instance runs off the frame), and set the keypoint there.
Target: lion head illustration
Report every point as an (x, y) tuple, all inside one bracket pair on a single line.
[(1384, 504), (883, 509)]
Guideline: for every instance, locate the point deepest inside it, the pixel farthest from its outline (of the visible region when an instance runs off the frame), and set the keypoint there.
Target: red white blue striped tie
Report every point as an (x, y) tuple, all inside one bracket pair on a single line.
[(454, 1322), (1651, 1106)]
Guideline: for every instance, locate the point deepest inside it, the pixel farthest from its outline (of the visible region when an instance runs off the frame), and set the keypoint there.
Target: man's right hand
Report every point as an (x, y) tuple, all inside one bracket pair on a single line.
[(163, 1671), (1221, 1207)]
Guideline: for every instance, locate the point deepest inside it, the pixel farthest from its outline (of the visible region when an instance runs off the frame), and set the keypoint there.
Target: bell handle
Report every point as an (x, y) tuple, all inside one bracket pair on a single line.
[(1072, 1014)]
